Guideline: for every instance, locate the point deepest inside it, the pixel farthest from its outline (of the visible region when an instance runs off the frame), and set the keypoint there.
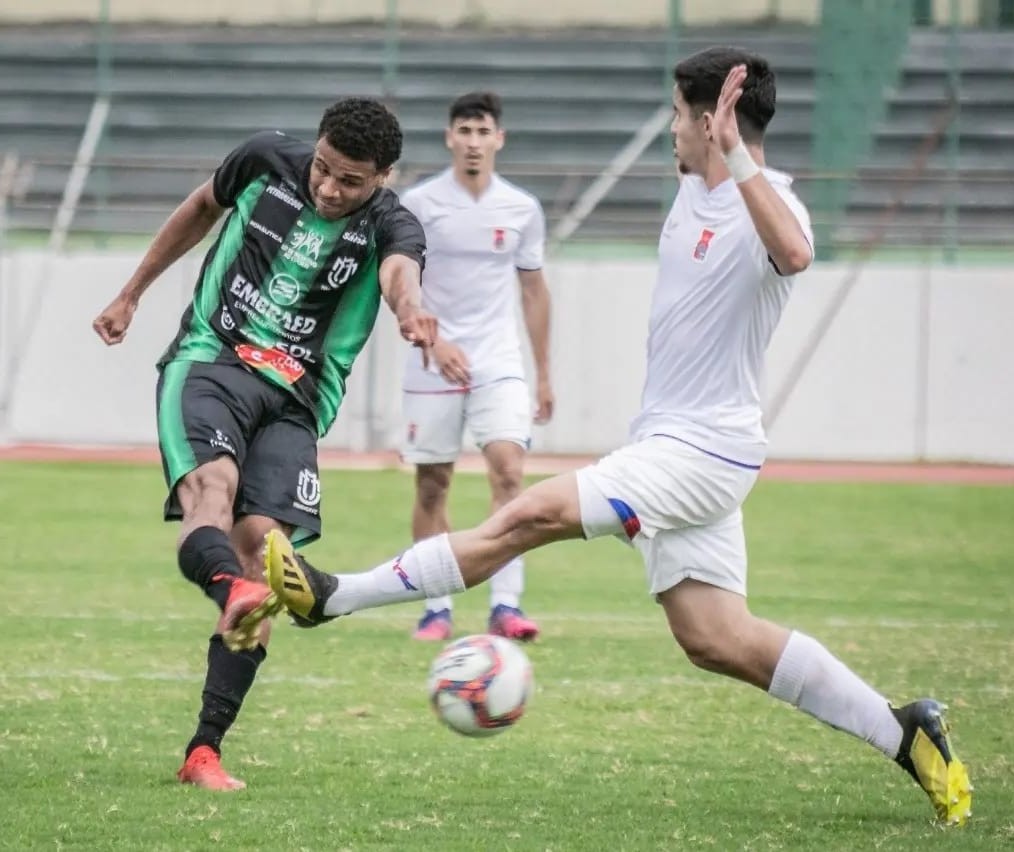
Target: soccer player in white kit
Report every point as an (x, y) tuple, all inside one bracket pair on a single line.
[(734, 239), (484, 236)]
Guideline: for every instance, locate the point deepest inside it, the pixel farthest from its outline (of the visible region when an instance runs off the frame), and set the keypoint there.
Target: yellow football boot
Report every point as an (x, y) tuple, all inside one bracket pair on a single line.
[(926, 754)]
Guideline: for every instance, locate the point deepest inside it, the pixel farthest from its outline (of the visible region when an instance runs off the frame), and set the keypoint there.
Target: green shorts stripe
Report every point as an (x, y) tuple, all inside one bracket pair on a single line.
[(172, 434)]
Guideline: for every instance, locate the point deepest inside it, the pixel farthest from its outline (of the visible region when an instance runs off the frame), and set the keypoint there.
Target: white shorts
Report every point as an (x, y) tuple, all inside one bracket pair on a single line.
[(678, 505), (435, 421)]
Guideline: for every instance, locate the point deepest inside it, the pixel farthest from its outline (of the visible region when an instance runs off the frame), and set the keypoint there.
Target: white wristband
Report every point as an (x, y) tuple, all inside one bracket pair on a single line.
[(741, 165)]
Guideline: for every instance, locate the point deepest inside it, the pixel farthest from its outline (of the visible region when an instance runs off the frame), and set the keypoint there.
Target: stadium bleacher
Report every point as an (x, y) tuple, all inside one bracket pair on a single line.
[(182, 100)]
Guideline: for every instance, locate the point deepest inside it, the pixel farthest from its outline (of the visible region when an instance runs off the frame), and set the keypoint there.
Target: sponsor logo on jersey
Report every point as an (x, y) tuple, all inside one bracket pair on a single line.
[(283, 290), (284, 197), (701, 249), (356, 237), (226, 320), (303, 247), (257, 226), (279, 362), (250, 301)]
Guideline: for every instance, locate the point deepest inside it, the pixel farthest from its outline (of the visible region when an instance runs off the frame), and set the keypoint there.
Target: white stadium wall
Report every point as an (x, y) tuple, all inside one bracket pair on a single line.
[(917, 365)]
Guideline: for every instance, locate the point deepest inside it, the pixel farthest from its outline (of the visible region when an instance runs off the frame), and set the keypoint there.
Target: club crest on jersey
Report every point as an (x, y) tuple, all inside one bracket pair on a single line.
[(701, 249), (412, 427), (499, 239), (308, 489), (341, 271)]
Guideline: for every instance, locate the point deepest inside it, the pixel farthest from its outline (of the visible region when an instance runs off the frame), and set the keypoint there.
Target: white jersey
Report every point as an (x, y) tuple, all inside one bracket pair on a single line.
[(474, 249), (716, 302)]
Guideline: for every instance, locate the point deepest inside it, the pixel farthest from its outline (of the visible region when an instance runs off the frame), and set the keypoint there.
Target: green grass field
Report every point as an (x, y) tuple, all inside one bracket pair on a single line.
[(625, 747)]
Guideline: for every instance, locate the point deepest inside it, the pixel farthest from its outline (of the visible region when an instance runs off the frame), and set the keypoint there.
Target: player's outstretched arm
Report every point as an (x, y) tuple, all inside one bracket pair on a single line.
[(400, 284), (185, 228), (535, 305), (776, 224)]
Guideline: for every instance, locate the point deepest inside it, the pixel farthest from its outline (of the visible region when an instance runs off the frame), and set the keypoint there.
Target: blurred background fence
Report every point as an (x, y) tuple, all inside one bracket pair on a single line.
[(896, 116)]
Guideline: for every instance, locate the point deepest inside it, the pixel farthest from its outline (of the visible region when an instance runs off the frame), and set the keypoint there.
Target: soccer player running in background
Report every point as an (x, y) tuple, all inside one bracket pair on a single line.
[(287, 297), (729, 249), (483, 236)]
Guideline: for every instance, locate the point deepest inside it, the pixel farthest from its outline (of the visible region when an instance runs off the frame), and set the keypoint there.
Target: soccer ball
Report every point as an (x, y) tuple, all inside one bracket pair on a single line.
[(480, 685)]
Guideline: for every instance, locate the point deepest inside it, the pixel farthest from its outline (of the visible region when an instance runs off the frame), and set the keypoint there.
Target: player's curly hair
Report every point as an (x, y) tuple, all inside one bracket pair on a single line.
[(362, 129)]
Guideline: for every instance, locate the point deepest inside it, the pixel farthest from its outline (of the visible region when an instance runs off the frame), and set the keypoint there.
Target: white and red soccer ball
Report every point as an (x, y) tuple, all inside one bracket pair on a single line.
[(480, 685)]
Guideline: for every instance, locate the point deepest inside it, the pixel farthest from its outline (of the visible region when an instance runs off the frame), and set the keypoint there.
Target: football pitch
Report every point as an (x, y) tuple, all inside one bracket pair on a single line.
[(625, 747)]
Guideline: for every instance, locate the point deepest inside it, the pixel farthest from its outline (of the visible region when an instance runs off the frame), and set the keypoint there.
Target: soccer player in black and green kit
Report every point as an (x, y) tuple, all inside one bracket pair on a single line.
[(286, 298)]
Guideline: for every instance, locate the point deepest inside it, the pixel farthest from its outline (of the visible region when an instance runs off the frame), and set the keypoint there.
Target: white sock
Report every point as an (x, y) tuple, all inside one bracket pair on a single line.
[(507, 584), (810, 677), (427, 569), (437, 604)]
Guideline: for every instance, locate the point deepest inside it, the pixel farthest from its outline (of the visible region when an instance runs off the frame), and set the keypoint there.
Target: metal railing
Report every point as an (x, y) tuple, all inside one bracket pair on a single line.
[(926, 222)]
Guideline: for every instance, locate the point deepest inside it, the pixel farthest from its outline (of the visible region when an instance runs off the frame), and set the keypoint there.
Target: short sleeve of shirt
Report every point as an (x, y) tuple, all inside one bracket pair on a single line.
[(533, 240), (399, 232), (798, 210), (243, 166)]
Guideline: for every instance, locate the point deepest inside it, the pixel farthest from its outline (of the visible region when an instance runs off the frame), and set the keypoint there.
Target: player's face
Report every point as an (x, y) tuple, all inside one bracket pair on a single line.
[(338, 184), (689, 136), (473, 143)]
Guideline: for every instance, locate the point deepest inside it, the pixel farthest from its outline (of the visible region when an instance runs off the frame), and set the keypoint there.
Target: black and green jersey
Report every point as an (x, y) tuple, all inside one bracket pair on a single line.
[(284, 290)]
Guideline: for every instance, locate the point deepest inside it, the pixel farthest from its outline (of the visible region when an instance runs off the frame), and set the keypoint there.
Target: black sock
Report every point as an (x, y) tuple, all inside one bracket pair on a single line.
[(206, 558), (230, 676)]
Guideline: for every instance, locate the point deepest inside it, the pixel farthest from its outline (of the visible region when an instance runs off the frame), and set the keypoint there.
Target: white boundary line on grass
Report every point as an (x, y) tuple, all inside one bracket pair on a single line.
[(832, 621), (579, 685), (98, 676)]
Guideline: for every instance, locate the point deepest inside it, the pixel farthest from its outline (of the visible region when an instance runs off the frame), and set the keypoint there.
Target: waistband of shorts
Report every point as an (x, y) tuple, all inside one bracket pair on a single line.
[(726, 459)]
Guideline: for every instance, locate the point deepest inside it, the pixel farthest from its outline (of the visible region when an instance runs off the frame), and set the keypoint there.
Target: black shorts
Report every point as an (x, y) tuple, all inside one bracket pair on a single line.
[(210, 410)]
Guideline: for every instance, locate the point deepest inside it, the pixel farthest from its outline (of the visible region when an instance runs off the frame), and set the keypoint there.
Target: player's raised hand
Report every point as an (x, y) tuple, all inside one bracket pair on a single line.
[(545, 401), (111, 325), (724, 126)]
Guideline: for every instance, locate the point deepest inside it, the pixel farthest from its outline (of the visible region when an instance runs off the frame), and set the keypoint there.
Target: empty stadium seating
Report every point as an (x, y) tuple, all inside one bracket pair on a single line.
[(182, 99)]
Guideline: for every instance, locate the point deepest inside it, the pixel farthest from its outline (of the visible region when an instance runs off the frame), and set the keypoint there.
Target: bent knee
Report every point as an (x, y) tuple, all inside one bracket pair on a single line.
[(432, 483), (550, 507), (531, 512)]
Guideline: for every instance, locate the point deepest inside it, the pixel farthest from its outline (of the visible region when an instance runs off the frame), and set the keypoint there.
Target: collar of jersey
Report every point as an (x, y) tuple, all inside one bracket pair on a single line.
[(465, 196)]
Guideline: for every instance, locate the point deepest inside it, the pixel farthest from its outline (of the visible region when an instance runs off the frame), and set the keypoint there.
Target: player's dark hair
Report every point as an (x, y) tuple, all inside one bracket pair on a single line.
[(700, 77), (362, 129), (476, 105)]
